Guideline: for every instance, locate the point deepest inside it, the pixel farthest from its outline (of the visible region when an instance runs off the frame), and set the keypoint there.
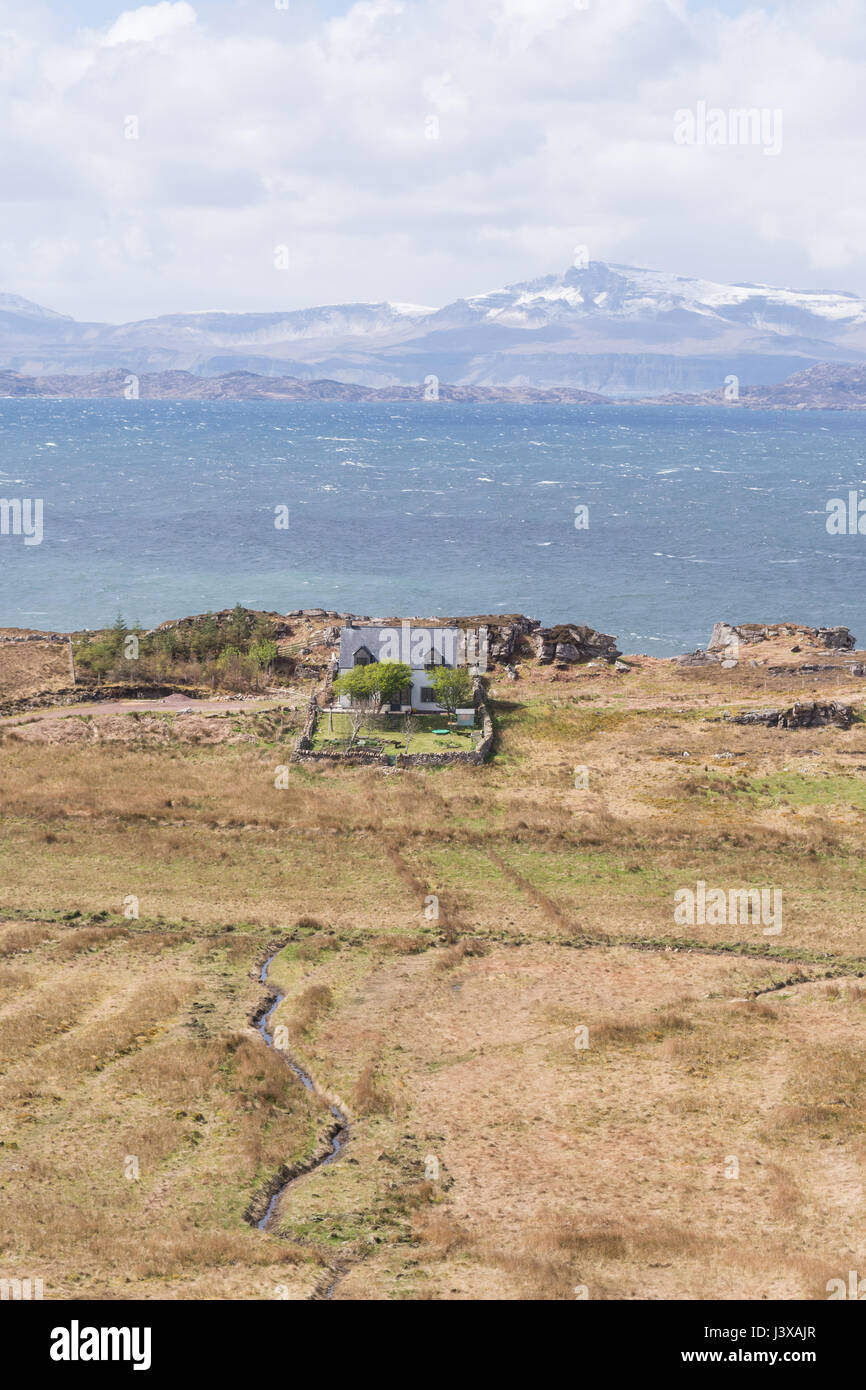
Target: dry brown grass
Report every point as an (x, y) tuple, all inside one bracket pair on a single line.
[(108, 1057), (370, 1094), (18, 939), (90, 939), (310, 1005), (637, 1032), (452, 1038)]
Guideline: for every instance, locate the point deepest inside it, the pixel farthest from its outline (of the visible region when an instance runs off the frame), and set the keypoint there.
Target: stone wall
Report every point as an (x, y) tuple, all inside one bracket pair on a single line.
[(305, 737), (303, 749), (363, 755)]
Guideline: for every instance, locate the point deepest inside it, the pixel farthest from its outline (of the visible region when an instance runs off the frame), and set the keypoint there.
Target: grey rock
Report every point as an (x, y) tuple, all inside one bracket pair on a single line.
[(804, 714), (567, 652), (837, 638), (698, 658), (723, 636)]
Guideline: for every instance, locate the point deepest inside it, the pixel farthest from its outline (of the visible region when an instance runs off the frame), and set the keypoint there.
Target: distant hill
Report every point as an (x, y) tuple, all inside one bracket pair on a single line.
[(610, 329), (247, 386), (825, 387)]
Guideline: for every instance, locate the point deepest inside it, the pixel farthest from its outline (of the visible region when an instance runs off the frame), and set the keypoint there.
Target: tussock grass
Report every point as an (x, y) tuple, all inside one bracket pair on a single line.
[(463, 950), (828, 1098), (311, 1004), (90, 939), (637, 1032), (16, 940), (370, 1093), (111, 1057)]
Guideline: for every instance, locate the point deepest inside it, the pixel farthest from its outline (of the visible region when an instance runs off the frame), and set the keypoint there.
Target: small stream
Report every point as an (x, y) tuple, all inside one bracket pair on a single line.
[(338, 1139)]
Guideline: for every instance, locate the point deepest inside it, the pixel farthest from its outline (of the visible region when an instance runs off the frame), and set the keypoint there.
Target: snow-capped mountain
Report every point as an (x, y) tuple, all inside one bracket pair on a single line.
[(626, 292), (25, 308), (616, 329)]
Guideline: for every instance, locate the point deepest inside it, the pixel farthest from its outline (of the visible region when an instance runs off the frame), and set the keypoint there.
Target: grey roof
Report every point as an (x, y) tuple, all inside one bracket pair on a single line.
[(400, 644)]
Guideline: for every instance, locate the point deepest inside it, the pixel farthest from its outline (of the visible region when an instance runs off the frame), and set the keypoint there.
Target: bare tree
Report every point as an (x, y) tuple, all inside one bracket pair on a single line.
[(408, 728), (356, 717)]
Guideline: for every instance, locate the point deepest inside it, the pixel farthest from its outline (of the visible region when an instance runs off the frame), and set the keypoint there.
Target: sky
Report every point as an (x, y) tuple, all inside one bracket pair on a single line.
[(273, 154)]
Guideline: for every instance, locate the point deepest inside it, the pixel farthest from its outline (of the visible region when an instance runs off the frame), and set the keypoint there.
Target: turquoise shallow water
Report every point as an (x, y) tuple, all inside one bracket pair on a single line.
[(163, 509)]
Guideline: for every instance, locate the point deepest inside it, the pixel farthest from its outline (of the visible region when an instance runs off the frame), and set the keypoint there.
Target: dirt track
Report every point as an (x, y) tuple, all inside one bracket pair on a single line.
[(168, 705)]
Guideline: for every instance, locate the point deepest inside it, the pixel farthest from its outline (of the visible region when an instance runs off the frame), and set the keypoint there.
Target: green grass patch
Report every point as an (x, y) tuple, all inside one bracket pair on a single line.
[(383, 732), (786, 789)]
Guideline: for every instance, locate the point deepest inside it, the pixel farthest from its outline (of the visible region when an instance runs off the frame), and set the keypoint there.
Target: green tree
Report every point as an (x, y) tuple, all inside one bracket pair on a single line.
[(264, 653), (235, 670), (389, 679), (453, 687), (263, 628), (207, 639), (238, 629), (374, 685), (119, 633)]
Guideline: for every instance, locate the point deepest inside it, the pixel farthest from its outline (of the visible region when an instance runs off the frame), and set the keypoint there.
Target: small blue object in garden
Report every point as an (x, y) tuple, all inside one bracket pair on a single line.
[(441, 731)]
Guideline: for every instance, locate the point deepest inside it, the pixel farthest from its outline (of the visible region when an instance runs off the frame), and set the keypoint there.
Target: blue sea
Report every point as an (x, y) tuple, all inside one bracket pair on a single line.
[(162, 509)]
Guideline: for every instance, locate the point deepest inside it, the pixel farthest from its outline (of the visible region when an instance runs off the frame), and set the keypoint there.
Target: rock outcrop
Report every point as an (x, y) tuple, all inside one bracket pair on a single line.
[(505, 639), (568, 644), (727, 635), (804, 714)]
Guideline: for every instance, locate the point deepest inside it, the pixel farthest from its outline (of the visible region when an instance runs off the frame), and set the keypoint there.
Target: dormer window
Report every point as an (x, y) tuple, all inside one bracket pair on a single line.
[(363, 657)]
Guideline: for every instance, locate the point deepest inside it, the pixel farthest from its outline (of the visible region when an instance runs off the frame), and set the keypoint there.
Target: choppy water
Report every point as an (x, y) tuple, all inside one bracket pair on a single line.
[(164, 509)]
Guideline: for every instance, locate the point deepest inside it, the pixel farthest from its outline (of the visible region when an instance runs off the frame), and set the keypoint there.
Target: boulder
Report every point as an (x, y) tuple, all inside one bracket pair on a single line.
[(768, 717), (698, 658), (724, 636), (567, 652), (810, 714), (804, 714), (503, 641), (559, 643), (837, 638)]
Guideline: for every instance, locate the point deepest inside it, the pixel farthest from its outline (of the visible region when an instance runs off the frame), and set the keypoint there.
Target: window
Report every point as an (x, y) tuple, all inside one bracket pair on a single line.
[(363, 657), (428, 695)]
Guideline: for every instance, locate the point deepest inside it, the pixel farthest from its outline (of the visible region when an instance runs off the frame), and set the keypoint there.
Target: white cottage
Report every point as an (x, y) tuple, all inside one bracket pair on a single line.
[(422, 649)]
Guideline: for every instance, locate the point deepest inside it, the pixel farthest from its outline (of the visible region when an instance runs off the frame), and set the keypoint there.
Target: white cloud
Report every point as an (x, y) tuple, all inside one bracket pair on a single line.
[(150, 22), (268, 127)]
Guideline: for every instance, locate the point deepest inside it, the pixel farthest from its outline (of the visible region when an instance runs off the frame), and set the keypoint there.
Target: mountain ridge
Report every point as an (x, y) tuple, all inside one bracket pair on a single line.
[(613, 330)]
